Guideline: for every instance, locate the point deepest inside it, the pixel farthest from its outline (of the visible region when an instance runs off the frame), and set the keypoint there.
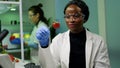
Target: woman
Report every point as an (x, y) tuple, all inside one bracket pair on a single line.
[(36, 15), (77, 47)]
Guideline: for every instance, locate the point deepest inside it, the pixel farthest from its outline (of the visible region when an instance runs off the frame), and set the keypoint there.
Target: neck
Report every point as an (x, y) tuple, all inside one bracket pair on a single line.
[(78, 31)]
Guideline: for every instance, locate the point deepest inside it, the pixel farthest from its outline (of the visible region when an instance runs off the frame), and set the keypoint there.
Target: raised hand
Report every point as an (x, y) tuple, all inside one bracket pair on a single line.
[(43, 34)]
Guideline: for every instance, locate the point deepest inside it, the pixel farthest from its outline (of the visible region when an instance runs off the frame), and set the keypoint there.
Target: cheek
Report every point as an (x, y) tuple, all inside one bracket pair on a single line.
[(67, 21), (79, 22), (34, 19)]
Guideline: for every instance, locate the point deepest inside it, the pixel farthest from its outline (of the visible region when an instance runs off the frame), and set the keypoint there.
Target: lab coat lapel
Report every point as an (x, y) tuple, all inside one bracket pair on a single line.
[(65, 51), (88, 49)]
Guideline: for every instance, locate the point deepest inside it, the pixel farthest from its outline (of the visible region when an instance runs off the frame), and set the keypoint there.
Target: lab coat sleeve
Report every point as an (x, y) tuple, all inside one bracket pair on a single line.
[(49, 56), (32, 44), (45, 58), (55, 49), (102, 58)]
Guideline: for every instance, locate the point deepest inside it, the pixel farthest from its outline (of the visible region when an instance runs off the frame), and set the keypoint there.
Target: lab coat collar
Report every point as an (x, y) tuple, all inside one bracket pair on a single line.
[(66, 49), (88, 48)]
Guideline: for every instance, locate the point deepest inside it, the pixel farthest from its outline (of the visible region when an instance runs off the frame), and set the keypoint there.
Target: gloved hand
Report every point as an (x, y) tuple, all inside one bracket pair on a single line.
[(16, 41), (43, 34)]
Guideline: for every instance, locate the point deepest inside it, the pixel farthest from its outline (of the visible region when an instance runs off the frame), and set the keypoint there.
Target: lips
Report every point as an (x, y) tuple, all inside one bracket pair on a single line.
[(71, 25)]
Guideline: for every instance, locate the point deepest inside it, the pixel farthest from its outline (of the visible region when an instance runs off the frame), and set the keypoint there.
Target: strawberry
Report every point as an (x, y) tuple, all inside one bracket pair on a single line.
[(16, 60), (12, 58)]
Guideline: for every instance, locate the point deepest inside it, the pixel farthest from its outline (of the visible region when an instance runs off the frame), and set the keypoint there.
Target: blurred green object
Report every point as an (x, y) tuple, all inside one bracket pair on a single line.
[(52, 29), (2, 50), (52, 32)]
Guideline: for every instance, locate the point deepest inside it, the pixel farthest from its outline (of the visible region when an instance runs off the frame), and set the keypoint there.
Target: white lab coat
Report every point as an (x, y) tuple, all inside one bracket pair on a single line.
[(34, 40), (57, 54)]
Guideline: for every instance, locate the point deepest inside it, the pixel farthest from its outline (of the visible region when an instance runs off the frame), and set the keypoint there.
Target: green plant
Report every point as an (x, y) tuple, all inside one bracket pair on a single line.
[(3, 50), (52, 30)]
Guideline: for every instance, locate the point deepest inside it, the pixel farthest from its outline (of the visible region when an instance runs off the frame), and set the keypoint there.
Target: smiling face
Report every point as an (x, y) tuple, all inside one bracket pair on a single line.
[(74, 18)]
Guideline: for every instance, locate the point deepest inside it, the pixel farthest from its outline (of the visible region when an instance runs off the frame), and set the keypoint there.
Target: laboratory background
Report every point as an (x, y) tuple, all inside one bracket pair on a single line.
[(104, 20)]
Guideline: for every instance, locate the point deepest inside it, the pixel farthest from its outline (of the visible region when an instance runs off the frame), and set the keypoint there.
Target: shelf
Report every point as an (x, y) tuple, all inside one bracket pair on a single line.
[(9, 2), (21, 20)]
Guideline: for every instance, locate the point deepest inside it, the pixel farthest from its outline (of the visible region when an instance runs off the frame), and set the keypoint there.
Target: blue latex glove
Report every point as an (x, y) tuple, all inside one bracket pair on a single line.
[(16, 41), (43, 34)]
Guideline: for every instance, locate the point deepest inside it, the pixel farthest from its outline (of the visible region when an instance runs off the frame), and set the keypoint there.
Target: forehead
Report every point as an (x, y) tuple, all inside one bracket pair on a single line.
[(30, 12), (73, 9)]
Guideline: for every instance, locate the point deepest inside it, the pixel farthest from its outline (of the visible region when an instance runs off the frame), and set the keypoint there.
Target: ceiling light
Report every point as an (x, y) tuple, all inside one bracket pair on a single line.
[(13, 9)]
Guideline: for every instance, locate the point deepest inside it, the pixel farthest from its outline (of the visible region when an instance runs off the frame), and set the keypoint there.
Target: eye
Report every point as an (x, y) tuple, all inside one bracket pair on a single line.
[(67, 16), (76, 15)]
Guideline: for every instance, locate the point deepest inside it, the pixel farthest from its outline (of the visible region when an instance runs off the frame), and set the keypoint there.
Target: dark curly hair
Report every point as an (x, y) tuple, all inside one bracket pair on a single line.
[(81, 4)]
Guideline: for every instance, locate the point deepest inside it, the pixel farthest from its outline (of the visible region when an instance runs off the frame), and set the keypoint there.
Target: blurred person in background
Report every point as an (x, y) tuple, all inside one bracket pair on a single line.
[(36, 15)]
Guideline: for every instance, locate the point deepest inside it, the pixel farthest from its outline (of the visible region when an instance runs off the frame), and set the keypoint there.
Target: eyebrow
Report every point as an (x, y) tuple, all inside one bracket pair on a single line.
[(72, 13)]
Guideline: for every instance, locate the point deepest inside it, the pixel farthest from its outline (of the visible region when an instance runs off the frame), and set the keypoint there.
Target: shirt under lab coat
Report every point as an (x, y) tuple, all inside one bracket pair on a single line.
[(57, 54)]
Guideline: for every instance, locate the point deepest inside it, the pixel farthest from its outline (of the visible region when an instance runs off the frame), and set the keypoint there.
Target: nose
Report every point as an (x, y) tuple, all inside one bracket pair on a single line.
[(72, 18)]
